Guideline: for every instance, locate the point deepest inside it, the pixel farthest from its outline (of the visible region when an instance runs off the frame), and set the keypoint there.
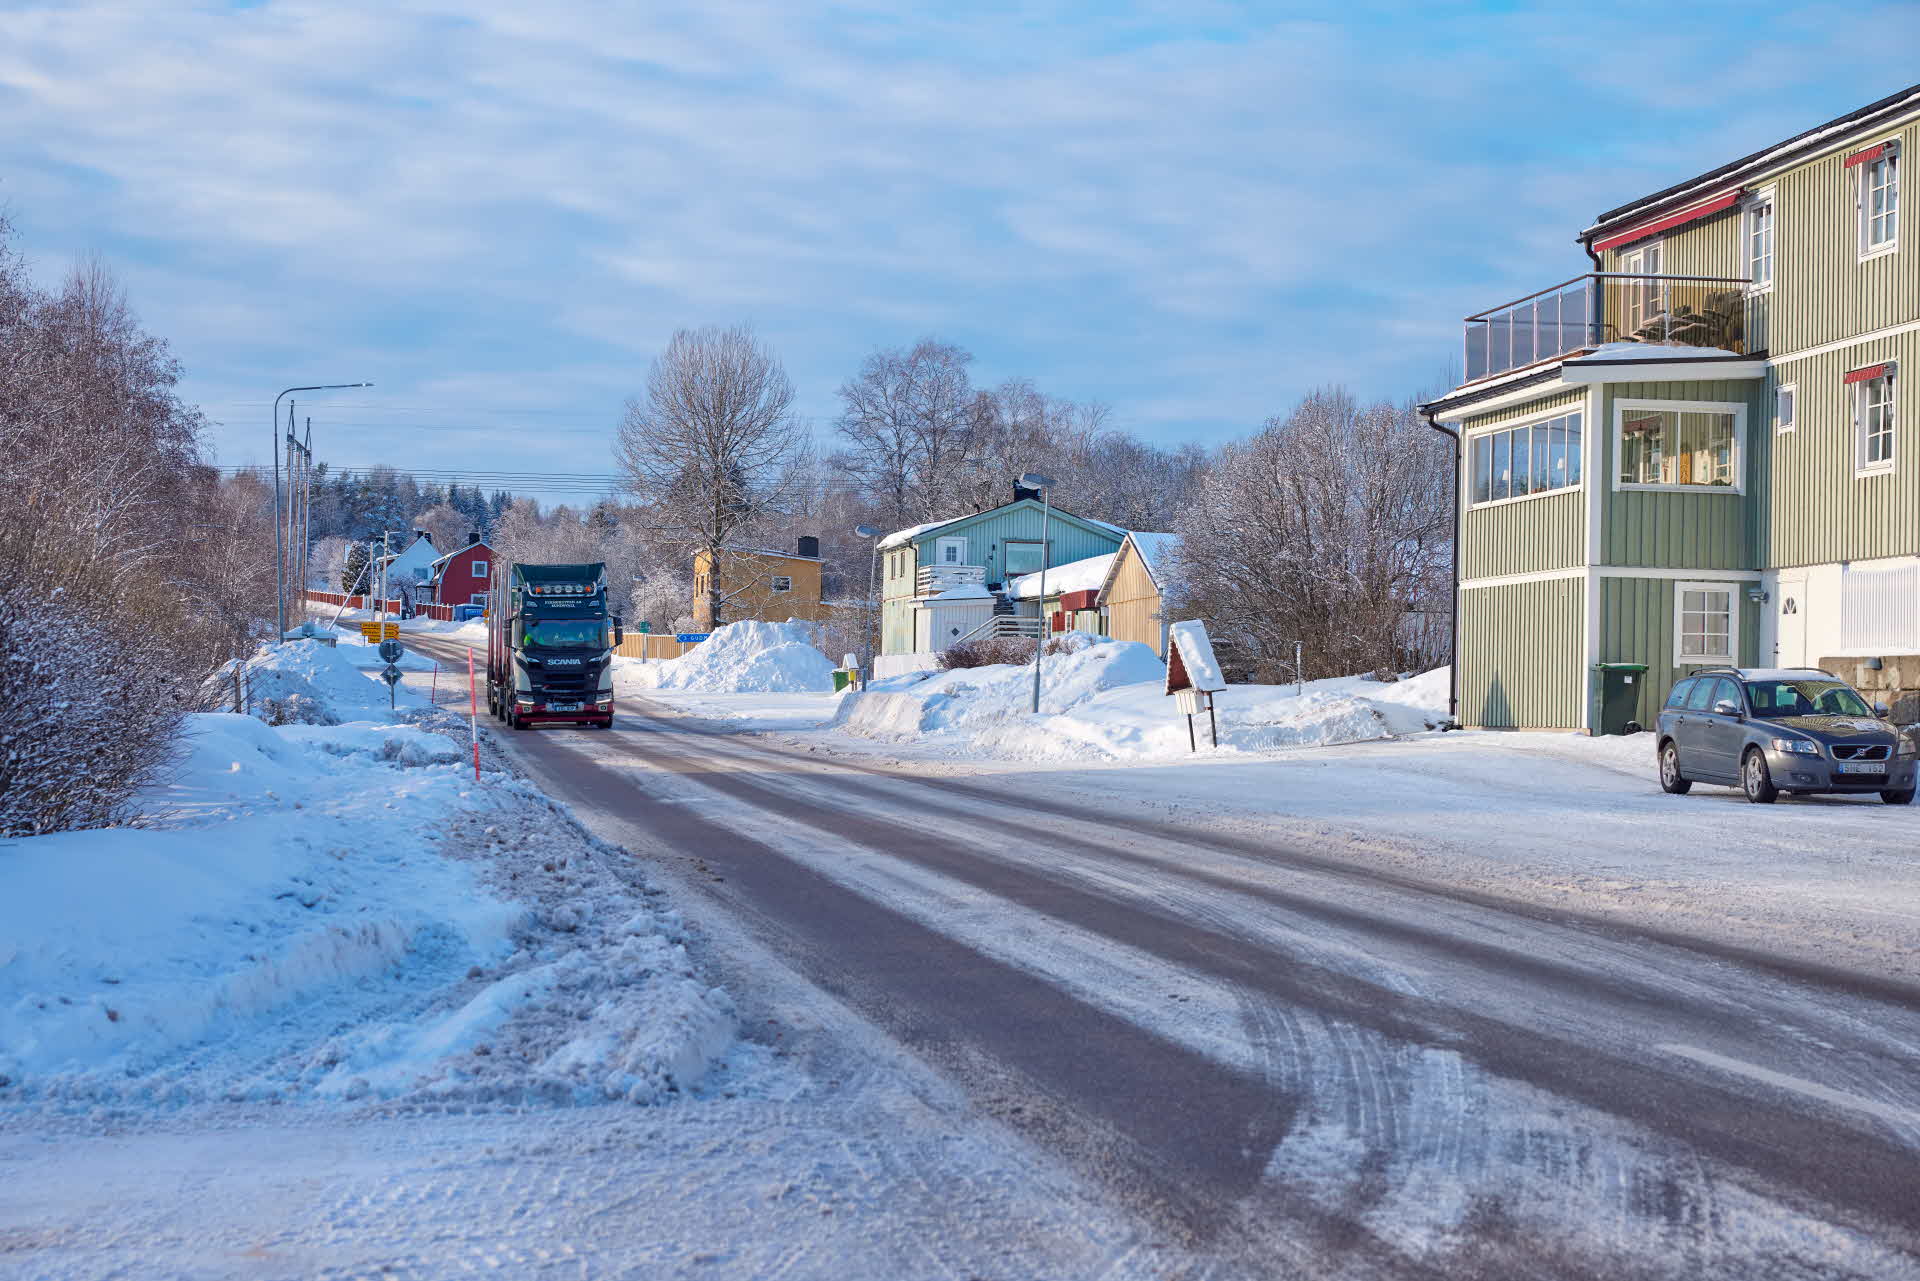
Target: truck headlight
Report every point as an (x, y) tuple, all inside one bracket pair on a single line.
[(1798, 746)]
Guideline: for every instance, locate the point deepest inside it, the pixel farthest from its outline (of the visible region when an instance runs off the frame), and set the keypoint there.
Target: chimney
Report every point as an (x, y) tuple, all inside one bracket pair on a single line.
[(421, 533), (809, 546), (473, 537), (1021, 491)]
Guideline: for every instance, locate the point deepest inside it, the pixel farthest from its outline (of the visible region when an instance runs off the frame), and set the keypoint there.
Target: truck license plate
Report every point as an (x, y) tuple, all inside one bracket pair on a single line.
[(563, 707), (1861, 767)]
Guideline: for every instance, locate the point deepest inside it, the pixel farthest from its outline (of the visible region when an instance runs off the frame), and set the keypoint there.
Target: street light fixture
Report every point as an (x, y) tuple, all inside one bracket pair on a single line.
[(1035, 481), (279, 549), (873, 574)]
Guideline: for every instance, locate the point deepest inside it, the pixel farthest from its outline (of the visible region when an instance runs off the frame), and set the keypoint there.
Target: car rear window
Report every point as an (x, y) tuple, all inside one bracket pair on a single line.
[(1679, 696)]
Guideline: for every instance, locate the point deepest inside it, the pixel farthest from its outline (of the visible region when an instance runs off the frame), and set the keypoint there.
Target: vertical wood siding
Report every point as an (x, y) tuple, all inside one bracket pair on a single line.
[(1547, 532), (1822, 292), (1133, 603), (1636, 626), (1520, 655), (1707, 530), (1812, 509)]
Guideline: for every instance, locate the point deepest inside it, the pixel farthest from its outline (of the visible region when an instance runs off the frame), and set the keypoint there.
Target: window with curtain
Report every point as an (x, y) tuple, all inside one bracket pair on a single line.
[(1679, 447)]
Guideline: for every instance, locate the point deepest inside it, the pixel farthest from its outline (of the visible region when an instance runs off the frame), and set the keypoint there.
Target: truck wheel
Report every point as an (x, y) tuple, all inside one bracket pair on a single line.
[(514, 721), (1670, 777), (1898, 796), (1756, 779)]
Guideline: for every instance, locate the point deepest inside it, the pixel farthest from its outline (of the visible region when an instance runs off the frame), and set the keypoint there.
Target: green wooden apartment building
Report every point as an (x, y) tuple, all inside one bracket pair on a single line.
[(1704, 450)]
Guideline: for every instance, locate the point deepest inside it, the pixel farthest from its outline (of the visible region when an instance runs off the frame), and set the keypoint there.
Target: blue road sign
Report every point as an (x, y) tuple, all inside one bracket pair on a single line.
[(691, 637)]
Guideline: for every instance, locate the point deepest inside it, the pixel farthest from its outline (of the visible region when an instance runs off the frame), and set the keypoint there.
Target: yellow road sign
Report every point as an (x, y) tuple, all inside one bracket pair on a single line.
[(379, 631)]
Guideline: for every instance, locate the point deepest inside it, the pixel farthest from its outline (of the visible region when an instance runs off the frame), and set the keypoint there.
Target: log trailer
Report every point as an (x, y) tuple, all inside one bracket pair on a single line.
[(550, 642)]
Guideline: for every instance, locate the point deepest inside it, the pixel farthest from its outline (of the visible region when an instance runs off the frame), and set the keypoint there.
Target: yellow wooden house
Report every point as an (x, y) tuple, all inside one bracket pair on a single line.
[(762, 584)]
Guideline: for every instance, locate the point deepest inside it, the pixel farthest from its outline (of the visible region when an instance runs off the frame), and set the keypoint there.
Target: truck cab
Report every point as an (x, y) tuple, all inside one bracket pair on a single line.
[(550, 643)]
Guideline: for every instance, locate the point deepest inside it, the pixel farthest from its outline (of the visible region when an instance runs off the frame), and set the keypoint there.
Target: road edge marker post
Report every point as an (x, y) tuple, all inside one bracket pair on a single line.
[(473, 715)]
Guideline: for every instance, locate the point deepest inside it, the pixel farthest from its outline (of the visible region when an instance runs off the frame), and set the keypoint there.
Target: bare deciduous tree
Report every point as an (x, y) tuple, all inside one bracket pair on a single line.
[(712, 445), (1328, 527), (907, 419)]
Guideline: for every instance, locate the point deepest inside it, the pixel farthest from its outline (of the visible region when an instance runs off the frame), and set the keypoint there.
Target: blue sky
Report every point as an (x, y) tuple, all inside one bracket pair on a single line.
[(1195, 211)]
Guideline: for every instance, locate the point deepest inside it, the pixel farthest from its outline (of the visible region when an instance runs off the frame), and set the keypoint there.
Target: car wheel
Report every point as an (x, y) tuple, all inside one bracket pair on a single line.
[(1756, 779), (1898, 796), (1670, 776)]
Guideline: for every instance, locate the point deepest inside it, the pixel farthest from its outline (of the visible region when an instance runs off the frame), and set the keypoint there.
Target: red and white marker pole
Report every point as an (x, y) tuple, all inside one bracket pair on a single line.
[(473, 715)]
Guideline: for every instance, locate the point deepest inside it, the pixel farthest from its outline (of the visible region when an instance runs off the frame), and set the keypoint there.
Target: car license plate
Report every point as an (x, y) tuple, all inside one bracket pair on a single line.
[(563, 707), (1861, 767)]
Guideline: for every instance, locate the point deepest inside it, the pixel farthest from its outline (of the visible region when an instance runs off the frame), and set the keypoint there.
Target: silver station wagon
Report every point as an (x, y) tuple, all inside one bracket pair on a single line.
[(1767, 731)]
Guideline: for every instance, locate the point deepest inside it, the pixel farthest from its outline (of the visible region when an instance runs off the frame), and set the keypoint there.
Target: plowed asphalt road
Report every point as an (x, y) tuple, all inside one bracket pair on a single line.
[(1292, 1063)]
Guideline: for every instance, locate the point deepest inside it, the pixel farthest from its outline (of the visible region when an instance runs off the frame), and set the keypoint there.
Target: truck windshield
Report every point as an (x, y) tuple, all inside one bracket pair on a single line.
[(565, 633), (1805, 698)]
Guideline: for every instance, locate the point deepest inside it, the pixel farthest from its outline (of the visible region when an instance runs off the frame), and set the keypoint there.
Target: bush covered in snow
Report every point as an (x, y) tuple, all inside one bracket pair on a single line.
[(90, 714), (299, 683), (744, 658)]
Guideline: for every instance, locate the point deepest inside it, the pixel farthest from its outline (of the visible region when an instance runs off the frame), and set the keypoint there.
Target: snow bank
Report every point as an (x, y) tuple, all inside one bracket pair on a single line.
[(308, 683), (742, 658), (1105, 700), (339, 912)]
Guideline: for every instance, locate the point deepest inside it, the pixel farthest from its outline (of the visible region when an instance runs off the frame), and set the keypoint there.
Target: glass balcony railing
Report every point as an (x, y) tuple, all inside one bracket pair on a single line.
[(1604, 307)]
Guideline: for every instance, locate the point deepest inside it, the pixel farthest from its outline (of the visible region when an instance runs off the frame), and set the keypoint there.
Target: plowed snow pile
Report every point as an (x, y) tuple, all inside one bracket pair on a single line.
[(747, 657), (307, 682), (1106, 699), (329, 911)]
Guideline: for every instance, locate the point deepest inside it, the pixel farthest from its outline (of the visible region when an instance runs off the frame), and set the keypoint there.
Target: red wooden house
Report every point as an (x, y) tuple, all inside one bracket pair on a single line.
[(461, 578)]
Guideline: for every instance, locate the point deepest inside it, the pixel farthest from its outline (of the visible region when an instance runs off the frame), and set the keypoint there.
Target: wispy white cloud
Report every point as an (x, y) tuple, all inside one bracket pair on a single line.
[(1192, 212)]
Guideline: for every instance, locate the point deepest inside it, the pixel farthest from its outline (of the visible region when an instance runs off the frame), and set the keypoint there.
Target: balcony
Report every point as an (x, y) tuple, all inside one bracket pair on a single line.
[(931, 580), (1604, 307)]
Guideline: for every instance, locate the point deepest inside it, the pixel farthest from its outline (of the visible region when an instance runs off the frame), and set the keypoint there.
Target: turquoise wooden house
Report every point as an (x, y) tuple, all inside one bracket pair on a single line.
[(946, 581)]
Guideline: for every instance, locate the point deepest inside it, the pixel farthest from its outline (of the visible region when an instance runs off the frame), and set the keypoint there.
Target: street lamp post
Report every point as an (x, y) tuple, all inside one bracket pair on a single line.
[(279, 547), (873, 577), (1034, 480)]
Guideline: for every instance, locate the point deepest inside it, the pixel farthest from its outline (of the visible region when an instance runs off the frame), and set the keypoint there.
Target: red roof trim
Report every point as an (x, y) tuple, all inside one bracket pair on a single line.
[(1692, 213), (1871, 371), (1874, 152)]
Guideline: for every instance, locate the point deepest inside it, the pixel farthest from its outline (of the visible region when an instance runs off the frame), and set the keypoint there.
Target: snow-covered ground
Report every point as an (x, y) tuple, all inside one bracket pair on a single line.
[(336, 1007)]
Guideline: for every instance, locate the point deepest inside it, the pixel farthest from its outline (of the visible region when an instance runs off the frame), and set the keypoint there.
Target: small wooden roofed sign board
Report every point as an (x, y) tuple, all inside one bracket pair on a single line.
[(1190, 660)]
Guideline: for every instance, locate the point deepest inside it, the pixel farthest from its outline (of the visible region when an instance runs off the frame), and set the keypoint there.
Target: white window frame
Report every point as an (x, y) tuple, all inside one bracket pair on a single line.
[(1733, 592), (480, 568), (1861, 188), (1885, 466), (1736, 408), (478, 598), (1495, 429), (1762, 201), (778, 579), (952, 540), (1792, 392), (1643, 300)]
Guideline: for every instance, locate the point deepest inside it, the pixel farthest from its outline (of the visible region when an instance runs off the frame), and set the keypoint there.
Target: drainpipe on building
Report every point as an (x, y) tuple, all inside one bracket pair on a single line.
[(1453, 623)]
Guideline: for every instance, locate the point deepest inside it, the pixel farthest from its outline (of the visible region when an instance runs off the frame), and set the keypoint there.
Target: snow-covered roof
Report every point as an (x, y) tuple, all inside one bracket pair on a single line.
[(901, 537), (963, 591), (1615, 352), (1196, 655), (1153, 550), (450, 555), (1074, 576)]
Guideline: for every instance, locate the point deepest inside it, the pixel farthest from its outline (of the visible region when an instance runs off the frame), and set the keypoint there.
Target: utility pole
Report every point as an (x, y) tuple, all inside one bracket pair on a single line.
[(279, 545)]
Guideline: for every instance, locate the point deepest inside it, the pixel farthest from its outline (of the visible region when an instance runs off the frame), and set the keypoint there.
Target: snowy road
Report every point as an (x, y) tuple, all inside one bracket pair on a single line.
[(1277, 1053)]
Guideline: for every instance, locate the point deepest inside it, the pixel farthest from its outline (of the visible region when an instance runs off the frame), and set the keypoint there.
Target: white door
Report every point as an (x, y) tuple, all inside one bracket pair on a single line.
[(1790, 622), (950, 551), (1643, 300)]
